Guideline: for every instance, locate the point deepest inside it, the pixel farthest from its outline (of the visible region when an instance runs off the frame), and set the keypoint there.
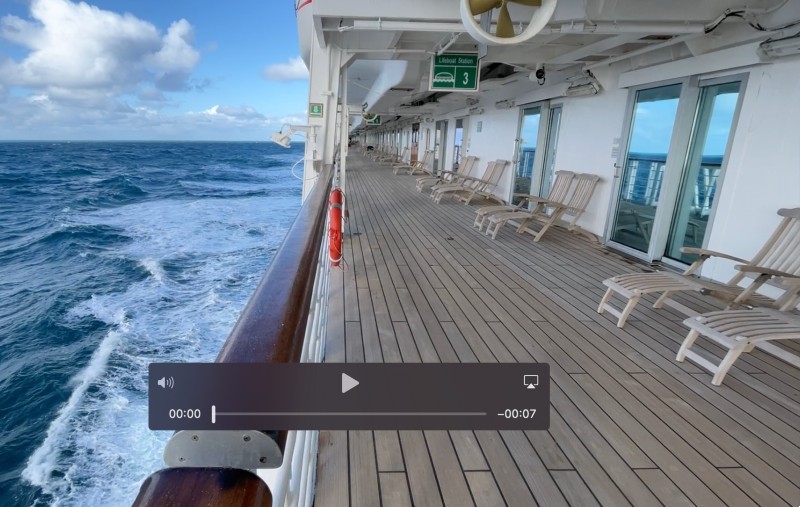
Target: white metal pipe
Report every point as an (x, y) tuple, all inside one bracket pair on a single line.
[(644, 50), (611, 28), (563, 27), (390, 51)]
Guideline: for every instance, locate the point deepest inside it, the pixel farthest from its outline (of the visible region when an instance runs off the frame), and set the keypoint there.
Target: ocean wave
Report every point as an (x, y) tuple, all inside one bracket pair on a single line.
[(154, 268), (45, 460), (109, 275)]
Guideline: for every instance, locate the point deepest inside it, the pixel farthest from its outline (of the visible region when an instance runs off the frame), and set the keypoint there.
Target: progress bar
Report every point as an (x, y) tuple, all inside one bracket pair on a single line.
[(350, 396), (214, 414)]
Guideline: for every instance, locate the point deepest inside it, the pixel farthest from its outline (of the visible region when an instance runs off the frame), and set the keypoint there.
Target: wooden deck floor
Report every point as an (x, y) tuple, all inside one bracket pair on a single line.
[(629, 425)]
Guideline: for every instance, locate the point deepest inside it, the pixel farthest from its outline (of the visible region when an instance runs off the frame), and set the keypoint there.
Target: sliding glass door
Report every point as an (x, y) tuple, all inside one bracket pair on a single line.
[(672, 166), (526, 151), (439, 146), (701, 174), (553, 124), (651, 129)]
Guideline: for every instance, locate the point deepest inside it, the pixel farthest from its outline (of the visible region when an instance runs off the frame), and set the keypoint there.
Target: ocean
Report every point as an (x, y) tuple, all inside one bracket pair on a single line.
[(114, 255)]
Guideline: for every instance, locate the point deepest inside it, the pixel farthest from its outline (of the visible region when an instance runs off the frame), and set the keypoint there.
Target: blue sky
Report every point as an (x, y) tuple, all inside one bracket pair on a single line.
[(149, 69), (655, 121)]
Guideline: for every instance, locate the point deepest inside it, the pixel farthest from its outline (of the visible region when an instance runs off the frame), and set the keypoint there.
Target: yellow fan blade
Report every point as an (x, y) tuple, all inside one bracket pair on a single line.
[(532, 3), (481, 6), (505, 28)]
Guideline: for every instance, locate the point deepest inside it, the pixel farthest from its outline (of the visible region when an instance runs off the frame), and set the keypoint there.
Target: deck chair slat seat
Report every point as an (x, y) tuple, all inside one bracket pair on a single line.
[(558, 193), (464, 168), (549, 213), (485, 190), (740, 331), (394, 158), (413, 166), (422, 167), (778, 259), (471, 184), (461, 181)]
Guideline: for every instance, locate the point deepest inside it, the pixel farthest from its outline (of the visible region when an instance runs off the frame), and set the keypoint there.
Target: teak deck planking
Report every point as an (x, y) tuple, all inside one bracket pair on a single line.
[(629, 424)]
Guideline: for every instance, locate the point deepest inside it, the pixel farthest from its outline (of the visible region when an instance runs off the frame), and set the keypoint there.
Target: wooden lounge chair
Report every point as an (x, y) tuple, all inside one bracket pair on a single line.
[(472, 184), (460, 182), (485, 191), (740, 331), (417, 165), (549, 213), (778, 260), (394, 158), (445, 177), (377, 153), (558, 193)]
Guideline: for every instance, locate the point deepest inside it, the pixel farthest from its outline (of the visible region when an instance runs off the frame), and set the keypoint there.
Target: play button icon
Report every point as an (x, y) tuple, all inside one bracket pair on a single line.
[(348, 382)]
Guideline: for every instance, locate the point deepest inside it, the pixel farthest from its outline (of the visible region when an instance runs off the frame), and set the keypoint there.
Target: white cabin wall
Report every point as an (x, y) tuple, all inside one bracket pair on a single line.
[(494, 141), (763, 171), (590, 129)]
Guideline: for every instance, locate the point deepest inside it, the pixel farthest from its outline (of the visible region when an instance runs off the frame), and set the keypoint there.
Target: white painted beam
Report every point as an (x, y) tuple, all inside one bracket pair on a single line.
[(595, 48)]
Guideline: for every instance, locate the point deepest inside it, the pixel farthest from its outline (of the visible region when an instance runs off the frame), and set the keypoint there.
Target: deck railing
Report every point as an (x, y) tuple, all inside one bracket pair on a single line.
[(644, 174), (284, 321)]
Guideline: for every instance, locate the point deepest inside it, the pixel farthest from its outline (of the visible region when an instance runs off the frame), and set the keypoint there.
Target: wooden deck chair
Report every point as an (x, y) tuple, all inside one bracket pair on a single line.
[(377, 153), (485, 191), (394, 158), (459, 182), (549, 213), (422, 167), (445, 177), (740, 331), (411, 167), (778, 260), (558, 193), (469, 185)]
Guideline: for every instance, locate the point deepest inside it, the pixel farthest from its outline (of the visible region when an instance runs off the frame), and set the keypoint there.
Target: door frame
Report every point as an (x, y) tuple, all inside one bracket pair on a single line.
[(702, 83), (541, 137), (677, 136), (686, 118)]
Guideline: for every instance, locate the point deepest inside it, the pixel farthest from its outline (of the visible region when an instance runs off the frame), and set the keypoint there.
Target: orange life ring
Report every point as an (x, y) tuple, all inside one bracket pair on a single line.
[(335, 227)]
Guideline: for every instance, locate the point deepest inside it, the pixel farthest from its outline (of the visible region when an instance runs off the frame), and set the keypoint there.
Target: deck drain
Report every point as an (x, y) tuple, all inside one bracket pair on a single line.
[(449, 238)]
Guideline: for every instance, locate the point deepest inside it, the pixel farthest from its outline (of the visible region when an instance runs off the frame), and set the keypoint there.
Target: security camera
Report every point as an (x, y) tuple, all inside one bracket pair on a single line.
[(540, 75)]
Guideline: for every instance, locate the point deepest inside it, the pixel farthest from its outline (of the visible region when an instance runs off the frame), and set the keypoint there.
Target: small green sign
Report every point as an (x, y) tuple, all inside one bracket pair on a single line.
[(454, 72), (315, 109), (374, 121)]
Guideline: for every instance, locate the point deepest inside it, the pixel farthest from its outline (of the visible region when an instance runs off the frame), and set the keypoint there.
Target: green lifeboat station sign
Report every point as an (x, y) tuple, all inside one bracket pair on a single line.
[(454, 72), (375, 120)]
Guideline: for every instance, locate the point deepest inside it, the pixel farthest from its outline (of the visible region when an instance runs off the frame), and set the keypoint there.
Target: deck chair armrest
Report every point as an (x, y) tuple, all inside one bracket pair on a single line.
[(712, 253), (764, 271)]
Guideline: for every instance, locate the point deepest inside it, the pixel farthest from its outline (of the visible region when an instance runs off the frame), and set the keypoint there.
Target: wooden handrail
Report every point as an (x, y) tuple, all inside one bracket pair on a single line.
[(220, 487), (272, 326), (270, 329)]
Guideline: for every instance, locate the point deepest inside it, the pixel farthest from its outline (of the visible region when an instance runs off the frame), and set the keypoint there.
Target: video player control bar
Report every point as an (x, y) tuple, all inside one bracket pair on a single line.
[(338, 396)]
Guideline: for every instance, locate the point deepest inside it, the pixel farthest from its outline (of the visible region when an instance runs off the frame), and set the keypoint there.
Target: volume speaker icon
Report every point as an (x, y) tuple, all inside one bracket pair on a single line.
[(166, 382)]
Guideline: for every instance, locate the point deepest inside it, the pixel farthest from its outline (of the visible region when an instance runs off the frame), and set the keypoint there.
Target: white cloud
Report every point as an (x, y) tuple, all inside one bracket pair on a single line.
[(78, 50), (292, 71), (38, 116), (89, 73)]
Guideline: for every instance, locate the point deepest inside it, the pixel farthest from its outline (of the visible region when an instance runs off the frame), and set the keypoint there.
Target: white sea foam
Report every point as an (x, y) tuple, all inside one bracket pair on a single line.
[(45, 459), (99, 449), (154, 268)]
